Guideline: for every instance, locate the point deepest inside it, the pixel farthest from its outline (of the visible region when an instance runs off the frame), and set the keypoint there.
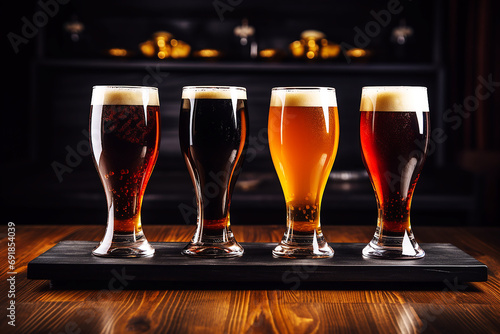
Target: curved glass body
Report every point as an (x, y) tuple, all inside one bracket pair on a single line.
[(213, 133), (303, 133), (125, 137), (394, 133)]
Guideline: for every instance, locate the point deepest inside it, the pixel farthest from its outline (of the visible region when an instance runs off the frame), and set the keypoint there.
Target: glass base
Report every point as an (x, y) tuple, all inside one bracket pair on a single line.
[(311, 246), (125, 245), (393, 247), (209, 249)]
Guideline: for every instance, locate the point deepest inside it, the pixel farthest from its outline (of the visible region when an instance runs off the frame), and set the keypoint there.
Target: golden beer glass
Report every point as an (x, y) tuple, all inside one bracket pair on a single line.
[(303, 132)]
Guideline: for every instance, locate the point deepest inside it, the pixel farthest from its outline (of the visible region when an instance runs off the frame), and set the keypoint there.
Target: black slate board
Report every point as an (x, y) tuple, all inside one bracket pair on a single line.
[(72, 261)]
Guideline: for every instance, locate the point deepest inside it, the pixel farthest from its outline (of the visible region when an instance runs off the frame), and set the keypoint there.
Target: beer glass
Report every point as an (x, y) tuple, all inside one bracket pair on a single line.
[(394, 133), (124, 136), (303, 132), (213, 130)]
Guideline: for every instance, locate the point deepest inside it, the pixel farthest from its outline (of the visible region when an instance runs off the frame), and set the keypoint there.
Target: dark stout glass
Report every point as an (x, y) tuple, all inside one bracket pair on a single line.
[(394, 133), (213, 132), (125, 136)]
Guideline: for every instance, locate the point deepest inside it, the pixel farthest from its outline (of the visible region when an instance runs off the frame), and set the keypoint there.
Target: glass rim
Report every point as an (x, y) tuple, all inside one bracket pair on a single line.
[(304, 96), (124, 95), (395, 87), (394, 99), (215, 87), (299, 88), (124, 87)]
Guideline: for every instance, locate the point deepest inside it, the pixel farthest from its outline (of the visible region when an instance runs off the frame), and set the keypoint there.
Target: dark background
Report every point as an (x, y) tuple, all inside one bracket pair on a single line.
[(454, 49)]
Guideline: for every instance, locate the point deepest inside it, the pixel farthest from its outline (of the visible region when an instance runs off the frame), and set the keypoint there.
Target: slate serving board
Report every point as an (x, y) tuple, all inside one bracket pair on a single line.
[(73, 261)]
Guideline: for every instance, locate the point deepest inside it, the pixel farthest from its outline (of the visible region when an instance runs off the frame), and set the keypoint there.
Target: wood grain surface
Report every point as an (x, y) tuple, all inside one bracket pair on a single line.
[(118, 307)]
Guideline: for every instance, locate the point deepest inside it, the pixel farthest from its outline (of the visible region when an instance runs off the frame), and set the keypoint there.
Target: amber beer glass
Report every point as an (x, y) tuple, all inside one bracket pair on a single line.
[(213, 131), (303, 132), (394, 134), (124, 136)]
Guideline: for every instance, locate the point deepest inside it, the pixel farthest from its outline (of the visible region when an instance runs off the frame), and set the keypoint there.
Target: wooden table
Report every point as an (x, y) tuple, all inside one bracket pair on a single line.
[(342, 307)]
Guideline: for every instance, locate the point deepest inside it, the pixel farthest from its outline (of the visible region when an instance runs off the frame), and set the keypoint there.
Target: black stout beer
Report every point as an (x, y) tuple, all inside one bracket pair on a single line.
[(125, 128), (394, 133), (213, 132)]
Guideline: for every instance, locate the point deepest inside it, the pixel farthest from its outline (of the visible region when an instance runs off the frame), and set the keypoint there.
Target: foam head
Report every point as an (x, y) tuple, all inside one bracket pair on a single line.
[(125, 95), (303, 97), (394, 98), (214, 92)]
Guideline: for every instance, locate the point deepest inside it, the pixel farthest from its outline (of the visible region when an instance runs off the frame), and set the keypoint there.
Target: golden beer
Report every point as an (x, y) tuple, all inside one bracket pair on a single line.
[(303, 140)]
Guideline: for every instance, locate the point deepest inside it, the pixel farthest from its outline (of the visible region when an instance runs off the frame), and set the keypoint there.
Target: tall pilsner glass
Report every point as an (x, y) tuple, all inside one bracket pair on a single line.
[(394, 133), (303, 138), (213, 131), (125, 136)]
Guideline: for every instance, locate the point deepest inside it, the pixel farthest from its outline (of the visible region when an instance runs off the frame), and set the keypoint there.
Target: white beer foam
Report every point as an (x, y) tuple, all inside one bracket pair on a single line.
[(125, 95), (214, 92), (305, 97), (394, 98)]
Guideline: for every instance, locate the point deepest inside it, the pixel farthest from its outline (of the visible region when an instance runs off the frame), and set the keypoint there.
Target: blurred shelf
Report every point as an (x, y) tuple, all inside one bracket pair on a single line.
[(230, 66)]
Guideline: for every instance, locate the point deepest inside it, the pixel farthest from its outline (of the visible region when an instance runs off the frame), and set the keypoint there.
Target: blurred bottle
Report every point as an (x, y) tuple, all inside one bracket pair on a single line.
[(247, 43)]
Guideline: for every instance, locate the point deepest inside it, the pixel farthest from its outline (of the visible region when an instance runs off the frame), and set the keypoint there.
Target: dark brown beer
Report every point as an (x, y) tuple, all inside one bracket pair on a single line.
[(391, 144), (212, 135), (125, 141), (394, 134)]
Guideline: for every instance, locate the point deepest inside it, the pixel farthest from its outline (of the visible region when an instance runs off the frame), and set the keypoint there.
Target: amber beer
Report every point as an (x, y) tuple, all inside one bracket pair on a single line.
[(125, 128), (303, 139), (213, 131), (394, 127)]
